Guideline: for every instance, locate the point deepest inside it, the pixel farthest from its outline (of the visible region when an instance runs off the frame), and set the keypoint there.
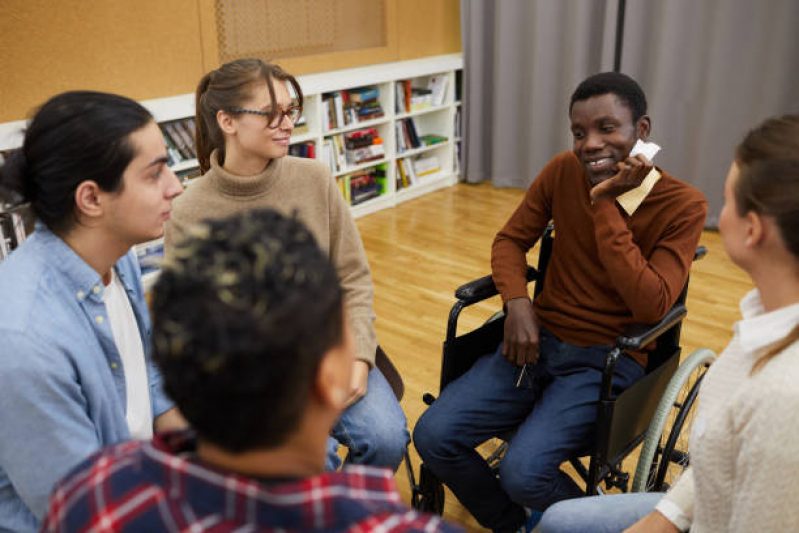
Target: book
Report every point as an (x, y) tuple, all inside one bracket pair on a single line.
[(426, 165), (363, 94), (18, 228), (403, 175), (428, 140), (438, 87), (338, 101), (177, 140), (301, 127), (421, 99), (188, 140)]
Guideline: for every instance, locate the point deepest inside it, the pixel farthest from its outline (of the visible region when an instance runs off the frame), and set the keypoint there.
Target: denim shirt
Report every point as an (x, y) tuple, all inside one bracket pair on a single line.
[(62, 385)]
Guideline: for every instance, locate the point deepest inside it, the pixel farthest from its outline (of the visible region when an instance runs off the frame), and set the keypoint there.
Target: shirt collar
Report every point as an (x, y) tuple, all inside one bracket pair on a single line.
[(759, 329), (81, 279)]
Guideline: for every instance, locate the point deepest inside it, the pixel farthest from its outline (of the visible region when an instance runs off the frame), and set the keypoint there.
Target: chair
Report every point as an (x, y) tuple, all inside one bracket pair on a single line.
[(622, 422)]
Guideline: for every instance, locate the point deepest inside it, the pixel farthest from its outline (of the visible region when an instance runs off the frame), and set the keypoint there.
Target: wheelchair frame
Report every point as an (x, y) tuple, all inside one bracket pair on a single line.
[(616, 436)]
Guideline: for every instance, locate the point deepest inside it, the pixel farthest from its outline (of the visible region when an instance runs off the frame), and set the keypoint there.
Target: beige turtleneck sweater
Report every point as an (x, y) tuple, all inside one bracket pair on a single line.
[(288, 184)]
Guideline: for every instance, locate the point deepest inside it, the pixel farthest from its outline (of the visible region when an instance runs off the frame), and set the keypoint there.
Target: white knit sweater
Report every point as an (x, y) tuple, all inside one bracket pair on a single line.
[(745, 439)]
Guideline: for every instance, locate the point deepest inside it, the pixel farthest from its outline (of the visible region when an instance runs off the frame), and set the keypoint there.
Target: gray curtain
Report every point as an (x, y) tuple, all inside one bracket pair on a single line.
[(711, 70)]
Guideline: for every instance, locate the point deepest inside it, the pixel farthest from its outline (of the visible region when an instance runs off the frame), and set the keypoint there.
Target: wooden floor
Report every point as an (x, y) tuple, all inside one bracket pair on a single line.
[(422, 250)]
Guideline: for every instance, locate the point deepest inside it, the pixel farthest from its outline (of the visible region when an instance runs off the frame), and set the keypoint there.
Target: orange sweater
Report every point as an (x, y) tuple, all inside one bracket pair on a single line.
[(607, 270)]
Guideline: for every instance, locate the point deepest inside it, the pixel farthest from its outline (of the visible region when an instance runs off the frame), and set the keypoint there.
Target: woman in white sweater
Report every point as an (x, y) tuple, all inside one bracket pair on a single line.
[(743, 441)]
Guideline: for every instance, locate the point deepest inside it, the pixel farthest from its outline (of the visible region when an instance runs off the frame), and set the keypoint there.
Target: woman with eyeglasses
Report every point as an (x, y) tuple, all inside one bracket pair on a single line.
[(245, 116)]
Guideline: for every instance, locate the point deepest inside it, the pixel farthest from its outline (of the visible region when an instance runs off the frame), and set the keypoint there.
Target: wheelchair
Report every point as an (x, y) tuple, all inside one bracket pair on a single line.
[(654, 410)]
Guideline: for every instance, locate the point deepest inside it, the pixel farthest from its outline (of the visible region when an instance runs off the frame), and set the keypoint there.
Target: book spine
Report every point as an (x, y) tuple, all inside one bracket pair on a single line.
[(339, 105), (18, 226), (183, 131)]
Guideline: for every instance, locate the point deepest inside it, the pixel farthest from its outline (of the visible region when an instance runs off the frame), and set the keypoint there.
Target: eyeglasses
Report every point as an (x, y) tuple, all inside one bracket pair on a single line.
[(275, 117)]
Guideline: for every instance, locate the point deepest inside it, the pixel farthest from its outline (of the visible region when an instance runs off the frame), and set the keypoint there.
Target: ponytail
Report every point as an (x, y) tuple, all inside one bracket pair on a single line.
[(203, 142), (776, 349)]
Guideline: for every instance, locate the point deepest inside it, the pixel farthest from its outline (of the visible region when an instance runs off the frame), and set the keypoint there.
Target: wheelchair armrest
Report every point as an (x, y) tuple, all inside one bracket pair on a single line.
[(638, 336), (484, 288)]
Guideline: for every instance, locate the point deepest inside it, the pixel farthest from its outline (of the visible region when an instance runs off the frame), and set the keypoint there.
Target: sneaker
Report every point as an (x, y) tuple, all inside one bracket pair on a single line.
[(533, 517)]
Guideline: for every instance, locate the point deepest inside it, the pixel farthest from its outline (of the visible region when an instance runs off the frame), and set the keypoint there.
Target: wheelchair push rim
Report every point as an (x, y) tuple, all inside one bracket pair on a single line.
[(664, 455)]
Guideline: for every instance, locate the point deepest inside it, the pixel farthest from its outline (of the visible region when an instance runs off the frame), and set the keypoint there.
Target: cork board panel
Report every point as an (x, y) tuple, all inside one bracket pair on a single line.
[(142, 49), (366, 29), (437, 32), (278, 29)]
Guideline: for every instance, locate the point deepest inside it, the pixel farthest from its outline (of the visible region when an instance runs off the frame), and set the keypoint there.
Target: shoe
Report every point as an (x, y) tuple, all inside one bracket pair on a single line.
[(533, 517)]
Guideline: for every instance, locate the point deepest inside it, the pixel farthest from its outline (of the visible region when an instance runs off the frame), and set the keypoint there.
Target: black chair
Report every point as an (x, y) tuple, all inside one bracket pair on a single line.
[(622, 421)]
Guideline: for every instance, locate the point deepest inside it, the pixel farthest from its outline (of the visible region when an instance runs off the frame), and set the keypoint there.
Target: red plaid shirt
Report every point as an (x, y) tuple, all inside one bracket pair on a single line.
[(162, 486)]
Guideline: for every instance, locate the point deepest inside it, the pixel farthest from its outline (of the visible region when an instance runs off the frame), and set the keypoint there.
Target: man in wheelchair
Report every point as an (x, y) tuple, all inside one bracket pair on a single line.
[(626, 236)]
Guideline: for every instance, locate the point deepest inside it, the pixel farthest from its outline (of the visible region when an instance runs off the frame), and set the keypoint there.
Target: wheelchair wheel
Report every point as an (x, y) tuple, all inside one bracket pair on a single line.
[(664, 455), (431, 492)]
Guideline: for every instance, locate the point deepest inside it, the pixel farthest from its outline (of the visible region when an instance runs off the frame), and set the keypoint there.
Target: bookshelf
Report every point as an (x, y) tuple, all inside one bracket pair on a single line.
[(434, 118)]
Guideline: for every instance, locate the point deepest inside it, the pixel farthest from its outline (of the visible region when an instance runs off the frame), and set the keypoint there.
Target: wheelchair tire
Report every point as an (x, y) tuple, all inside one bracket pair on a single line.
[(431, 492), (664, 455)]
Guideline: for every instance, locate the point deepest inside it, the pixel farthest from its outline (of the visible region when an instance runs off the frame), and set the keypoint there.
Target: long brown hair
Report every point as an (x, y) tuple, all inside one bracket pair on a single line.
[(227, 87), (768, 184)]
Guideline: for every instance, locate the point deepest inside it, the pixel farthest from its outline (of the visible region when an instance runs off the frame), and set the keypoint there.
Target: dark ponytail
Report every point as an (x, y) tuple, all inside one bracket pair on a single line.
[(74, 137), (203, 144), (227, 87)]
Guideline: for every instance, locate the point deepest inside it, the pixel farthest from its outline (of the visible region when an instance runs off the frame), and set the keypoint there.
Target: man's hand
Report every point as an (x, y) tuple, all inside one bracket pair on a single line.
[(631, 173), (521, 332), (654, 522), (359, 383)]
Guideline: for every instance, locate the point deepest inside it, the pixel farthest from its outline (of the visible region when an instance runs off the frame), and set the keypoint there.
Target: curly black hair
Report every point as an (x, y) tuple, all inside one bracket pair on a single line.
[(242, 317), (623, 86)]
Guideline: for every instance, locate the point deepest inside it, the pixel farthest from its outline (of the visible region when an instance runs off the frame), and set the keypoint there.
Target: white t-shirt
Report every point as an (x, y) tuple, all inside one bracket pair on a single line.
[(138, 412)]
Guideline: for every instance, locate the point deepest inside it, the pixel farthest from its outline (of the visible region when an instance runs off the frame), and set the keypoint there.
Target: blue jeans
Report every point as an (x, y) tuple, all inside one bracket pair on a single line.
[(599, 514), (554, 419), (373, 429)]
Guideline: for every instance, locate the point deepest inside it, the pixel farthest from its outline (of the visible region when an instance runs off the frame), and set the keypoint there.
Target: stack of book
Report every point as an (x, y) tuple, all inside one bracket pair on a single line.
[(353, 106), (363, 185), (306, 149), (412, 171), (352, 149), (363, 146), (179, 139)]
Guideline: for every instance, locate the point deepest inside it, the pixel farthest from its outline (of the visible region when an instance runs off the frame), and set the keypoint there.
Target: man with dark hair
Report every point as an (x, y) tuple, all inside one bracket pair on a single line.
[(254, 347), (626, 235)]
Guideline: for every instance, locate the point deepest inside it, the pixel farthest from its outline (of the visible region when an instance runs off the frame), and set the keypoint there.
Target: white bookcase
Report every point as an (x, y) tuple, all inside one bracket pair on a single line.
[(438, 120)]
